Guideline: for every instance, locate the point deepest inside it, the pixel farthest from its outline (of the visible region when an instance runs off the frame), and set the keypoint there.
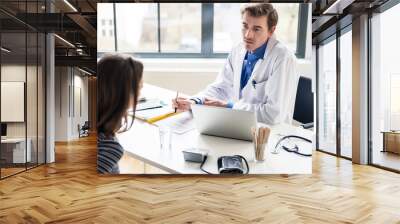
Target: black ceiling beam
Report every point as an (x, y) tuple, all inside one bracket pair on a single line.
[(336, 7), (49, 22), (321, 23), (91, 71), (61, 22), (324, 26), (87, 51), (4, 14), (86, 26), (331, 30), (91, 5), (77, 61), (7, 24)]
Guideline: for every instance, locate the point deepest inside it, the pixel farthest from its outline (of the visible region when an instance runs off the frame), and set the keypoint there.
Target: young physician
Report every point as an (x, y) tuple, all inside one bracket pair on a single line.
[(119, 81), (259, 74)]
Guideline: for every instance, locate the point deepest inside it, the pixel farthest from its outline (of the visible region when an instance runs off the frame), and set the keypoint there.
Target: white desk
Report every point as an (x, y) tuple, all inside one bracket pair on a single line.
[(142, 142), (18, 149)]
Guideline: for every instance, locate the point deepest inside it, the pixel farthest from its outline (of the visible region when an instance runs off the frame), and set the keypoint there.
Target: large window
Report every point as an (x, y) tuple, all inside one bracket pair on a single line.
[(385, 87), (346, 93), (105, 27), (180, 27), (136, 27), (327, 97), (187, 29), (336, 73), (394, 101), (334, 106)]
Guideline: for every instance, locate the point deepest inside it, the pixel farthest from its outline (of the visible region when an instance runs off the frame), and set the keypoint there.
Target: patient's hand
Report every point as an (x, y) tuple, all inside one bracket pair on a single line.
[(215, 102), (182, 104)]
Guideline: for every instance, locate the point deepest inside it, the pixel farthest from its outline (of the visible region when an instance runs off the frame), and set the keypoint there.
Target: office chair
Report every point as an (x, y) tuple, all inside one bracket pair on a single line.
[(304, 105), (84, 130)]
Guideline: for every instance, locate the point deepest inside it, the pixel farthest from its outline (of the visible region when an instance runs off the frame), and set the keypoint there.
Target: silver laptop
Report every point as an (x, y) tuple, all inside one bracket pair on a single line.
[(224, 122)]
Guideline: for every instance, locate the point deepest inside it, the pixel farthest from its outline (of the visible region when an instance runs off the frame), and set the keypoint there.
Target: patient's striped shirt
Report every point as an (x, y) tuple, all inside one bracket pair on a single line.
[(109, 152)]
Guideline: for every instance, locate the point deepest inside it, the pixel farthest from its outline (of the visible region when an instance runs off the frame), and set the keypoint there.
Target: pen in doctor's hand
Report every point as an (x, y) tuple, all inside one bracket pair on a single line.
[(176, 100)]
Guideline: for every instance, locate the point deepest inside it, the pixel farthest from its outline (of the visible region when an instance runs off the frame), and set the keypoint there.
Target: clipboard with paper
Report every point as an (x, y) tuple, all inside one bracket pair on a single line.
[(153, 112), (179, 122)]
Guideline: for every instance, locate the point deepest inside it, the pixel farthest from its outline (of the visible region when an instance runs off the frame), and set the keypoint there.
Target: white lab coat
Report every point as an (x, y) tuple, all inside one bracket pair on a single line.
[(273, 96)]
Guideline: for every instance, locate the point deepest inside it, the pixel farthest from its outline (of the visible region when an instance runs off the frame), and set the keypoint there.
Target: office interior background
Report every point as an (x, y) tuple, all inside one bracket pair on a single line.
[(358, 82), (46, 81), (175, 49), (48, 72)]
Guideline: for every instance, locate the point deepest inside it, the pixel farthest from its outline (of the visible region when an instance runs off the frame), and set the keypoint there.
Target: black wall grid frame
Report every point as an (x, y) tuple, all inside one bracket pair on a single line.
[(27, 29)]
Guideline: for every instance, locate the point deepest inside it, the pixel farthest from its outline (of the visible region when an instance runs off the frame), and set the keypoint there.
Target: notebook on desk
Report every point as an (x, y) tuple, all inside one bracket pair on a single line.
[(147, 104), (154, 111)]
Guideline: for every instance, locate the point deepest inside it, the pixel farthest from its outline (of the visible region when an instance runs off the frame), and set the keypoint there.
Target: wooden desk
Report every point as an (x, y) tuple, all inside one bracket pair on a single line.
[(391, 141), (142, 142)]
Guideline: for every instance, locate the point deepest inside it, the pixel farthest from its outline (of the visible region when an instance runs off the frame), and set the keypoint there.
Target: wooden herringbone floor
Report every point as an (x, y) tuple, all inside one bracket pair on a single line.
[(70, 191)]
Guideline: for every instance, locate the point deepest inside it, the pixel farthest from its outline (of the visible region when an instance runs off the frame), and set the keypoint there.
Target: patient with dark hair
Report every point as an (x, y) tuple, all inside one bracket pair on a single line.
[(119, 81)]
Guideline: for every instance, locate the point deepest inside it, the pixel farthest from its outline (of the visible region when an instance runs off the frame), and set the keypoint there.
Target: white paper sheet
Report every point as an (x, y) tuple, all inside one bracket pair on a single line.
[(180, 123)]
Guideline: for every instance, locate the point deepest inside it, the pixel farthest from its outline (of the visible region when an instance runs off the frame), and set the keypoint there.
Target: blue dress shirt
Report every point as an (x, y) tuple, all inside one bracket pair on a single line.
[(250, 60)]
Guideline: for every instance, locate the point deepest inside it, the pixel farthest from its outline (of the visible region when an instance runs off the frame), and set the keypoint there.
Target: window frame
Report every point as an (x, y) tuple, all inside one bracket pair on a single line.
[(336, 36), (207, 35)]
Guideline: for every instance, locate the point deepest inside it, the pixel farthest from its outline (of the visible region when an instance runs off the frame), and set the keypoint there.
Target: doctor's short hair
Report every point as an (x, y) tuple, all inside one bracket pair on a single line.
[(262, 9)]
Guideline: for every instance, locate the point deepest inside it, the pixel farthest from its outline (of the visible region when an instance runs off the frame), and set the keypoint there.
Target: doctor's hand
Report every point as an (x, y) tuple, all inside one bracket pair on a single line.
[(182, 104), (215, 102)]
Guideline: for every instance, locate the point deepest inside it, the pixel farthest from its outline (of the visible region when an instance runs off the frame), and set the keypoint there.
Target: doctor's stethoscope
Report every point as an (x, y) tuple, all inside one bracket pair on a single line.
[(293, 149)]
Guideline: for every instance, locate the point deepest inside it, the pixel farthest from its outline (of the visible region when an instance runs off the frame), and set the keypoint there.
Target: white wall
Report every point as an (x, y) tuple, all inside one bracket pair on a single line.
[(61, 103), (309, 47), (79, 117), (67, 114), (12, 99), (190, 76), (16, 73), (33, 127)]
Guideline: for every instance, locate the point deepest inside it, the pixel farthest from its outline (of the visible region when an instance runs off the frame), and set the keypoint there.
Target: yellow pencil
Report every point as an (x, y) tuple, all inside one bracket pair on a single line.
[(161, 117)]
